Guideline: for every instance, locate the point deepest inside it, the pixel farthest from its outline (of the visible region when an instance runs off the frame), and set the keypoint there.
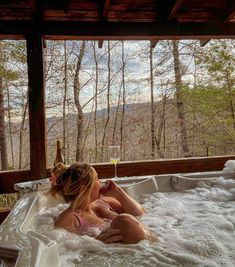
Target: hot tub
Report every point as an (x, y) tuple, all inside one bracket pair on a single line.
[(192, 214)]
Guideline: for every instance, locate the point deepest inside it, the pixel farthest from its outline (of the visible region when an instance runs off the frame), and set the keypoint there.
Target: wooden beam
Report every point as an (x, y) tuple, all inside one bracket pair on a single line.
[(204, 42), (44, 44), (228, 14), (9, 178), (37, 115), (153, 43), (106, 9), (33, 6), (165, 166), (134, 168), (103, 9), (69, 30), (100, 43), (36, 9), (229, 11), (174, 7)]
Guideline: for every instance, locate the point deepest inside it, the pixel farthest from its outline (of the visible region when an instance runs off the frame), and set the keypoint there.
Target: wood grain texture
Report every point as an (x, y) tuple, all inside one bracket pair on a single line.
[(37, 117), (125, 10), (130, 168), (73, 30)]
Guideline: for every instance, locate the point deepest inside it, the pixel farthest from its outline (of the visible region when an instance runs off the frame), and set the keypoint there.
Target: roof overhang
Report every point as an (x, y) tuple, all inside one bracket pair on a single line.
[(116, 30)]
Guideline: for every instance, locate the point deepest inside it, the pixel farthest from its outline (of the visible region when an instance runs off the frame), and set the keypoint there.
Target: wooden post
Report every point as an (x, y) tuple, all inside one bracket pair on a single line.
[(38, 157)]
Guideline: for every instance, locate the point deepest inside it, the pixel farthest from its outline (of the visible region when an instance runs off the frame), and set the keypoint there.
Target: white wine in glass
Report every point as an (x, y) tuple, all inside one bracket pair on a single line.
[(114, 154)]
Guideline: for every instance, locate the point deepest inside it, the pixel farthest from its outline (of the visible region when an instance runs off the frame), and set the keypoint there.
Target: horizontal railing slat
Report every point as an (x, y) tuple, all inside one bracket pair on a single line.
[(129, 168)]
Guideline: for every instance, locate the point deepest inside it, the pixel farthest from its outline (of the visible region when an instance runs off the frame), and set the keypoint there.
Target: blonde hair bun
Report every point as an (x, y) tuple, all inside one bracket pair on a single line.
[(58, 169)]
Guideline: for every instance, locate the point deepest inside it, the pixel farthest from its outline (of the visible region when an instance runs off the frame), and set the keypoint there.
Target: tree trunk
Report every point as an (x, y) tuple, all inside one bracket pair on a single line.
[(161, 128), (231, 103), (3, 143), (22, 133), (77, 89), (179, 101), (64, 104), (68, 134), (122, 144), (114, 138), (108, 105), (95, 100), (152, 126), (10, 127), (87, 127)]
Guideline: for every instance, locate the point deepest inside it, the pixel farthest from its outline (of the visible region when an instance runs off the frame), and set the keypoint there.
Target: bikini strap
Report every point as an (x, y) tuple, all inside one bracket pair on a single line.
[(82, 222)]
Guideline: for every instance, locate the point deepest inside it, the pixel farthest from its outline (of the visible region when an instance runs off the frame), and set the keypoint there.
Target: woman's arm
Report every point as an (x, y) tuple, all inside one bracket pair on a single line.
[(129, 205), (102, 211)]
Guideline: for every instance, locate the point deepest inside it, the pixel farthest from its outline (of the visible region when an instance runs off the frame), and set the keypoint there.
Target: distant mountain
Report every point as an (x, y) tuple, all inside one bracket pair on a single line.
[(113, 109)]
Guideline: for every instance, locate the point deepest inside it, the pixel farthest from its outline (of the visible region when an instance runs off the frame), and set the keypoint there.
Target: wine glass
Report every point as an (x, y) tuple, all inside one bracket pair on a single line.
[(114, 154)]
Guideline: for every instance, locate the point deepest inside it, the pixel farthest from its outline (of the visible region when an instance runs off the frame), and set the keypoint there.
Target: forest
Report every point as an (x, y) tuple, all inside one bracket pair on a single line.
[(172, 100)]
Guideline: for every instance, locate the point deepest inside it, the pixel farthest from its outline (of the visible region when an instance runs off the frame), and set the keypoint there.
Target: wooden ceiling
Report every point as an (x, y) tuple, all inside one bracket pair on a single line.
[(118, 19)]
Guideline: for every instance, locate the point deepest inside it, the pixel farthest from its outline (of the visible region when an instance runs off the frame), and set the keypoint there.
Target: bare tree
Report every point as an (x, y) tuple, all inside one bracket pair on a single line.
[(115, 124), (22, 131), (10, 126), (65, 102), (122, 141), (108, 103), (161, 128), (152, 104), (95, 99), (77, 88), (179, 101), (3, 145)]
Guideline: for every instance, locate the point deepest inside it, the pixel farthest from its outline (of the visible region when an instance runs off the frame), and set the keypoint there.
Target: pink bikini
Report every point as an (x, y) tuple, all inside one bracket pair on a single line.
[(92, 229)]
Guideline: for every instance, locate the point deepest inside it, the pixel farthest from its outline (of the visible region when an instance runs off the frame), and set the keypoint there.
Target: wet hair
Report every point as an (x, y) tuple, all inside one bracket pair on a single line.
[(75, 183)]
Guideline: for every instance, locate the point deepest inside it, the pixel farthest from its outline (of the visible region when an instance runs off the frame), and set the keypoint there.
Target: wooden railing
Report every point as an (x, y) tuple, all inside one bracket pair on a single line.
[(133, 168)]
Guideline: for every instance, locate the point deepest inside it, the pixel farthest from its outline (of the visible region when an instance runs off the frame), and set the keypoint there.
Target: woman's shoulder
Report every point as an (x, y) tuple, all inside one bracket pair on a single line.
[(68, 221)]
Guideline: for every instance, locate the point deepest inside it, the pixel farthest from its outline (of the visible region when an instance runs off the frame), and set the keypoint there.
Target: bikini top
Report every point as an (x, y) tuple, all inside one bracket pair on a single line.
[(89, 228)]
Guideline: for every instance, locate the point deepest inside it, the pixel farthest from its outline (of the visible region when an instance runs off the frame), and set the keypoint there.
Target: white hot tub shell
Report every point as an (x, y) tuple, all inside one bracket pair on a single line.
[(21, 244)]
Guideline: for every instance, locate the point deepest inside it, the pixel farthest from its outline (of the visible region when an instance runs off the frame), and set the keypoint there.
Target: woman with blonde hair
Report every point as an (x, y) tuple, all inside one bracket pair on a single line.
[(103, 211)]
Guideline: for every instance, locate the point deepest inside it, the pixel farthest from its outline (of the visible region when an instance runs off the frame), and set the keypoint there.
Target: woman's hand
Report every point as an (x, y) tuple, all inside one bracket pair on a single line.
[(111, 236), (128, 204), (110, 189)]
